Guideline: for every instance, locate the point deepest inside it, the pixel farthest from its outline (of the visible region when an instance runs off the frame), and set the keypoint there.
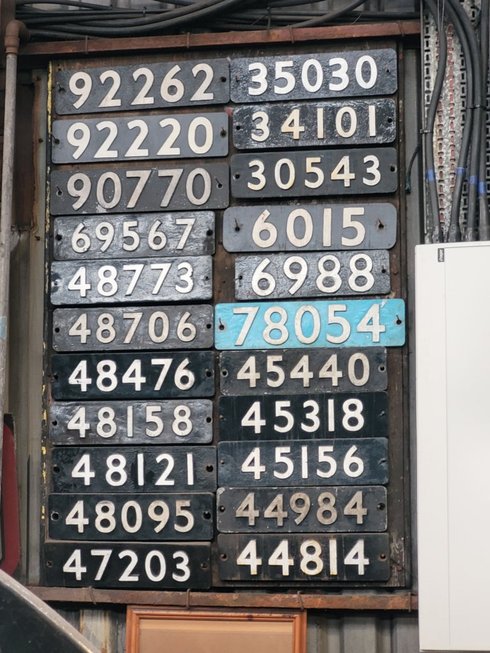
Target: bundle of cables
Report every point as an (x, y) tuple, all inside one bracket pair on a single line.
[(471, 165), (96, 20)]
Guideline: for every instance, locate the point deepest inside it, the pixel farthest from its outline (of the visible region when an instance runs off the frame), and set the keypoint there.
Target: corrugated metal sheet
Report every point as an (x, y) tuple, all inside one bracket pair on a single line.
[(327, 633)]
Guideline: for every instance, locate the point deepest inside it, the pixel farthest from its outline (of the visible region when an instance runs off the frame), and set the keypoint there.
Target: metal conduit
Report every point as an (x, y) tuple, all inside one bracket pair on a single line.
[(14, 32)]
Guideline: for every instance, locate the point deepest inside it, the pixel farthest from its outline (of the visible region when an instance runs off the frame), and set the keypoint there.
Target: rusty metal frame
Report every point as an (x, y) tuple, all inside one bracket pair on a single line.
[(187, 41), (395, 601)]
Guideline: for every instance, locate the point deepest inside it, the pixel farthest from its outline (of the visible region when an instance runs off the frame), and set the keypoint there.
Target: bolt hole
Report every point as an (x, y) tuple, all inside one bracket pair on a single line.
[(219, 184), (204, 565), (223, 556), (381, 506), (222, 508), (236, 175), (221, 327), (382, 368), (56, 469), (222, 79), (208, 326), (59, 237), (209, 374), (54, 422), (238, 127), (210, 468), (208, 420), (49, 563), (382, 556), (206, 514), (209, 232), (240, 277), (393, 168), (398, 321), (224, 373), (55, 516), (223, 133), (57, 329)]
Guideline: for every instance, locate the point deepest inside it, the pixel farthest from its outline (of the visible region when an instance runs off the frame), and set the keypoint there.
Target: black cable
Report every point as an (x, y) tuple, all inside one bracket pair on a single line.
[(430, 174), (454, 230), (484, 224), (473, 69), (330, 15)]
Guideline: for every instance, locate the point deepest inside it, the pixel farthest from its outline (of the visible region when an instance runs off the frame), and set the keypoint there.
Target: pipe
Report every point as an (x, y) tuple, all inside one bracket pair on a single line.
[(14, 32)]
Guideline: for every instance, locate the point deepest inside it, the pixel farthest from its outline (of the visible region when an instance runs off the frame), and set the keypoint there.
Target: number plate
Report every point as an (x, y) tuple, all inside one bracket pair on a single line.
[(167, 234), (309, 227), (361, 461), (314, 173), (141, 86), (183, 136), (289, 372), (122, 422), (314, 76), (313, 274), (180, 187), (142, 517), (129, 375), (352, 323), (135, 327), (356, 122), (133, 469), (306, 558), (303, 416), (152, 566), (302, 510), (120, 281)]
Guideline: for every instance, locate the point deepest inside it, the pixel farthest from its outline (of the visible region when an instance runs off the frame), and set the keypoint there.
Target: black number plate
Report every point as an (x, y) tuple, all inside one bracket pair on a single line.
[(135, 327), (183, 136), (139, 236), (121, 422), (306, 558), (314, 76), (309, 227), (356, 122), (269, 417), (302, 510), (175, 187), (312, 274), (361, 461), (314, 173), (144, 85), (141, 517), (153, 566), (133, 469), (144, 375), (121, 281), (287, 371)]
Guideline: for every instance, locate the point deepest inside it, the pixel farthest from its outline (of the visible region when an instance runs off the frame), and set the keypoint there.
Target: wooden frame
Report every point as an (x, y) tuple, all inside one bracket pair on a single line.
[(153, 629)]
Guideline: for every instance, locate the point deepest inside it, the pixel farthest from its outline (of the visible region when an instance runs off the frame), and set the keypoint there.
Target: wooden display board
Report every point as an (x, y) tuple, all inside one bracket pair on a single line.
[(151, 630)]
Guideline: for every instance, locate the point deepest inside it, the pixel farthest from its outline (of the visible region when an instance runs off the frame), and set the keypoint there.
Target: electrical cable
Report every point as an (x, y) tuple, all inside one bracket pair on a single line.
[(484, 224), (435, 232), (329, 16), (474, 96)]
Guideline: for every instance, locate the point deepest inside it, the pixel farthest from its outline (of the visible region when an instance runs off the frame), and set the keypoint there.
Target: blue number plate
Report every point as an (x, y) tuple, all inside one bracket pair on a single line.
[(267, 325)]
